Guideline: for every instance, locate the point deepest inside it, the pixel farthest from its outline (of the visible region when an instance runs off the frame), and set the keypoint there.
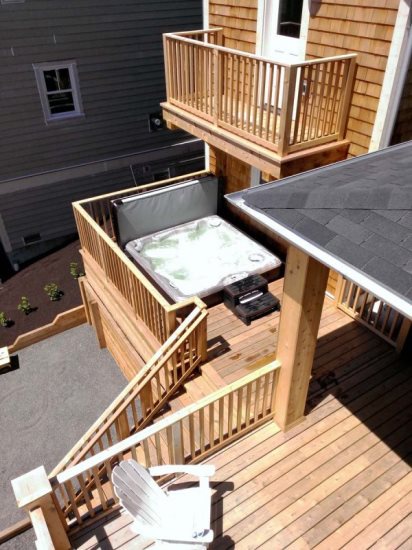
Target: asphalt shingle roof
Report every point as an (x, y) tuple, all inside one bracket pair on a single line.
[(359, 210)]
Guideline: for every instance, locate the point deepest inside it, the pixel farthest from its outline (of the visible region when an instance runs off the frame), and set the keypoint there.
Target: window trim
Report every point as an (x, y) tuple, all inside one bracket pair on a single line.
[(39, 69)]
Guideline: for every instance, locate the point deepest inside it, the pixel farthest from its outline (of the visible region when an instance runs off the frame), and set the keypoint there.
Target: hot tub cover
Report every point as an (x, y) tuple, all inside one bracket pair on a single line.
[(200, 257)]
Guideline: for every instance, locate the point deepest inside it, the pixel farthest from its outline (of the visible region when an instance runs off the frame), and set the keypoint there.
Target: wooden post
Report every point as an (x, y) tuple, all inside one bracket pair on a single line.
[(33, 491), (83, 293), (236, 173), (403, 334), (203, 340), (346, 97), (97, 323), (339, 289), (167, 66), (303, 296), (286, 113)]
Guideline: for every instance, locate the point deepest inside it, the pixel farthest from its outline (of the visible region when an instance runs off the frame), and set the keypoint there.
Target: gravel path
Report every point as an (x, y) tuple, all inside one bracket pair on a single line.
[(61, 387)]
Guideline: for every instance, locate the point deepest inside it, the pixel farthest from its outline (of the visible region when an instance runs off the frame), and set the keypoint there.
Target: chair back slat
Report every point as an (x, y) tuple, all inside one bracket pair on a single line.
[(139, 493)]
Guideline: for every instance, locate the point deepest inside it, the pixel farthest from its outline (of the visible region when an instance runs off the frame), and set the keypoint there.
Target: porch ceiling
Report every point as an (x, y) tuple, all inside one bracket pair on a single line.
[(358, 212)]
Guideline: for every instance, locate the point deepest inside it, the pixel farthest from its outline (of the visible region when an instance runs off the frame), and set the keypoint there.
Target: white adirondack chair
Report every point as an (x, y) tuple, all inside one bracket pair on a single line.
[(175, 519)]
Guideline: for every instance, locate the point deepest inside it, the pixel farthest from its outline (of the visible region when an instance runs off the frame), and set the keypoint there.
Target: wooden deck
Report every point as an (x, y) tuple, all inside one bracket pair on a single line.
[(341, 479)]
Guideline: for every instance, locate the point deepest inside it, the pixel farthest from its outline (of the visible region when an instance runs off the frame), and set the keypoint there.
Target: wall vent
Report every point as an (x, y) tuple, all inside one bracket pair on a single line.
[(31, 239)]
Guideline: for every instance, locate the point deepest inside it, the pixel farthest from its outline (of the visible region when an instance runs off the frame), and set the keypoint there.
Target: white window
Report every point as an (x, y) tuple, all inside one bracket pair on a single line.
[(59, 91)]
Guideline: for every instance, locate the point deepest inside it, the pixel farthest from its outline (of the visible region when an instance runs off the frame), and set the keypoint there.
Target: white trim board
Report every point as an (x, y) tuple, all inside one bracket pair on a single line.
[(389, 98), (324, 257), (205, 4)]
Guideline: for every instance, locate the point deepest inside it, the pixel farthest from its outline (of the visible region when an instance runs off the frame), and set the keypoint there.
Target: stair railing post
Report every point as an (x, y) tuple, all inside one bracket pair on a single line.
[(33, 490), (286, 112)]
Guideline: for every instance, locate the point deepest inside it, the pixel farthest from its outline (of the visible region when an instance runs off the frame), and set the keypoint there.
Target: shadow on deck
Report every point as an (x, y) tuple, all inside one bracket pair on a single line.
[(342, 478)]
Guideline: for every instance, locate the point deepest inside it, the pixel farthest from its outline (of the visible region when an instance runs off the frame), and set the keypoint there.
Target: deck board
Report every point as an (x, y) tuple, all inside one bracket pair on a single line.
[(340, 479)]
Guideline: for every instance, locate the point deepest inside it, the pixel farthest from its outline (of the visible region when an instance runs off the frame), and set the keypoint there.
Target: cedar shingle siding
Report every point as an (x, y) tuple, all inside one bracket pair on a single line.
[(366, 28)]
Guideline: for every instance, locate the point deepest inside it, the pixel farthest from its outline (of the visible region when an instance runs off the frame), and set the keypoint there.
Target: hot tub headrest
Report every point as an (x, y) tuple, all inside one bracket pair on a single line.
[(140, 215)]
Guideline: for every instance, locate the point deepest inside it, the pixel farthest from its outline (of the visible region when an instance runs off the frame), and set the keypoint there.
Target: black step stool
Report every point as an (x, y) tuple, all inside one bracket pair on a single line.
[(249, 298)]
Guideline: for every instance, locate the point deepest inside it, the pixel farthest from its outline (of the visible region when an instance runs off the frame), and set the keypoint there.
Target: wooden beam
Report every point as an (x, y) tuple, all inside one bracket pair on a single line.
[(303, 296), (250, 153)]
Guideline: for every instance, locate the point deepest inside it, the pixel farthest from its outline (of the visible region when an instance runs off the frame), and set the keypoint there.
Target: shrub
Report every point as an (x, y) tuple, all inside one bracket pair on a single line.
[(74, 270), (4, 320), (53, 291), (24, 305)]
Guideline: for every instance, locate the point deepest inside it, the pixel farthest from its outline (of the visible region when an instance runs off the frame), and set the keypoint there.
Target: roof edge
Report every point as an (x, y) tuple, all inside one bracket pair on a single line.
[(384, 293)]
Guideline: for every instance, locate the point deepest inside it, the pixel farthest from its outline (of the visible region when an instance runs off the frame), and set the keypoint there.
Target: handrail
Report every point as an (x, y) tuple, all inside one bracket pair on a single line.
[(163, 362), (182, 38), (137, 439), (284, 107)]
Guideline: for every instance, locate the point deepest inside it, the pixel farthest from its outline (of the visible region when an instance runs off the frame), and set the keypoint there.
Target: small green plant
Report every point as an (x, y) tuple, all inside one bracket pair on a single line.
[(75, 272), (4, 320), (53, 292), (24, 305)]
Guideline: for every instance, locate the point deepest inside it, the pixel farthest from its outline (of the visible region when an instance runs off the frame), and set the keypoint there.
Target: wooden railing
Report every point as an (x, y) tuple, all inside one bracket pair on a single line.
[(369, 310), (187, 436), (283, 107), (147, 393), (96, 233)]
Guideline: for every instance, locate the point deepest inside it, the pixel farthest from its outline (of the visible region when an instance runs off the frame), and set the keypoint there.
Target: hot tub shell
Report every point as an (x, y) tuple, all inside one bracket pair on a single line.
[(200, 257)]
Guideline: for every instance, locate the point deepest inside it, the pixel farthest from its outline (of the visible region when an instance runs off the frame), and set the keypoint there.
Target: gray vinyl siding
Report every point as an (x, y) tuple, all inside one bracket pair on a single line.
[(117, 45), (47, 209)]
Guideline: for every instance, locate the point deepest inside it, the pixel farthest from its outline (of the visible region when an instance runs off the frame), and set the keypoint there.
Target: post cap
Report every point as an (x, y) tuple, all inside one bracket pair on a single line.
[(30, 487)]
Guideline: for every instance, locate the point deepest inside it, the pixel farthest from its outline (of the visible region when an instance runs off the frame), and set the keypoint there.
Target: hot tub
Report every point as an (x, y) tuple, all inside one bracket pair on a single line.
[(200, 257)]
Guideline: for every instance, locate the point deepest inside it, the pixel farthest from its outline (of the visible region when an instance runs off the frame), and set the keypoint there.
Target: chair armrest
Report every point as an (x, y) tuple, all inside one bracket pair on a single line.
[(199, 470)]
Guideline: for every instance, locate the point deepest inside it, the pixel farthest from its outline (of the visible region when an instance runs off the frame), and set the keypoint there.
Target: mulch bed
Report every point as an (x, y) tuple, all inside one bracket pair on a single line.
[(30, 282)]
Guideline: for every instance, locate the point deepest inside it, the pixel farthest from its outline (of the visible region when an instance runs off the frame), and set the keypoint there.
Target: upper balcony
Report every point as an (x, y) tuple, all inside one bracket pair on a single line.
[(266, 113)]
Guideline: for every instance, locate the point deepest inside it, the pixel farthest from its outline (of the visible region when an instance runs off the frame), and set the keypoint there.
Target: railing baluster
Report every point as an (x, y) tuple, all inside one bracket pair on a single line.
[(170, 434), (236, 114), (256, 67), (211, 424), (269, 101), (221, 419), (202, 430), (262, 84), (279, 70), (313, 102), (249, 93), (192, 436), (239, 409), (321, 102)]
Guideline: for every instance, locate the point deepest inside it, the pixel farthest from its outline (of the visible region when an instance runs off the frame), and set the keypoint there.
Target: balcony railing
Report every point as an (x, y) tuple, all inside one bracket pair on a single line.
[(282, 107)]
